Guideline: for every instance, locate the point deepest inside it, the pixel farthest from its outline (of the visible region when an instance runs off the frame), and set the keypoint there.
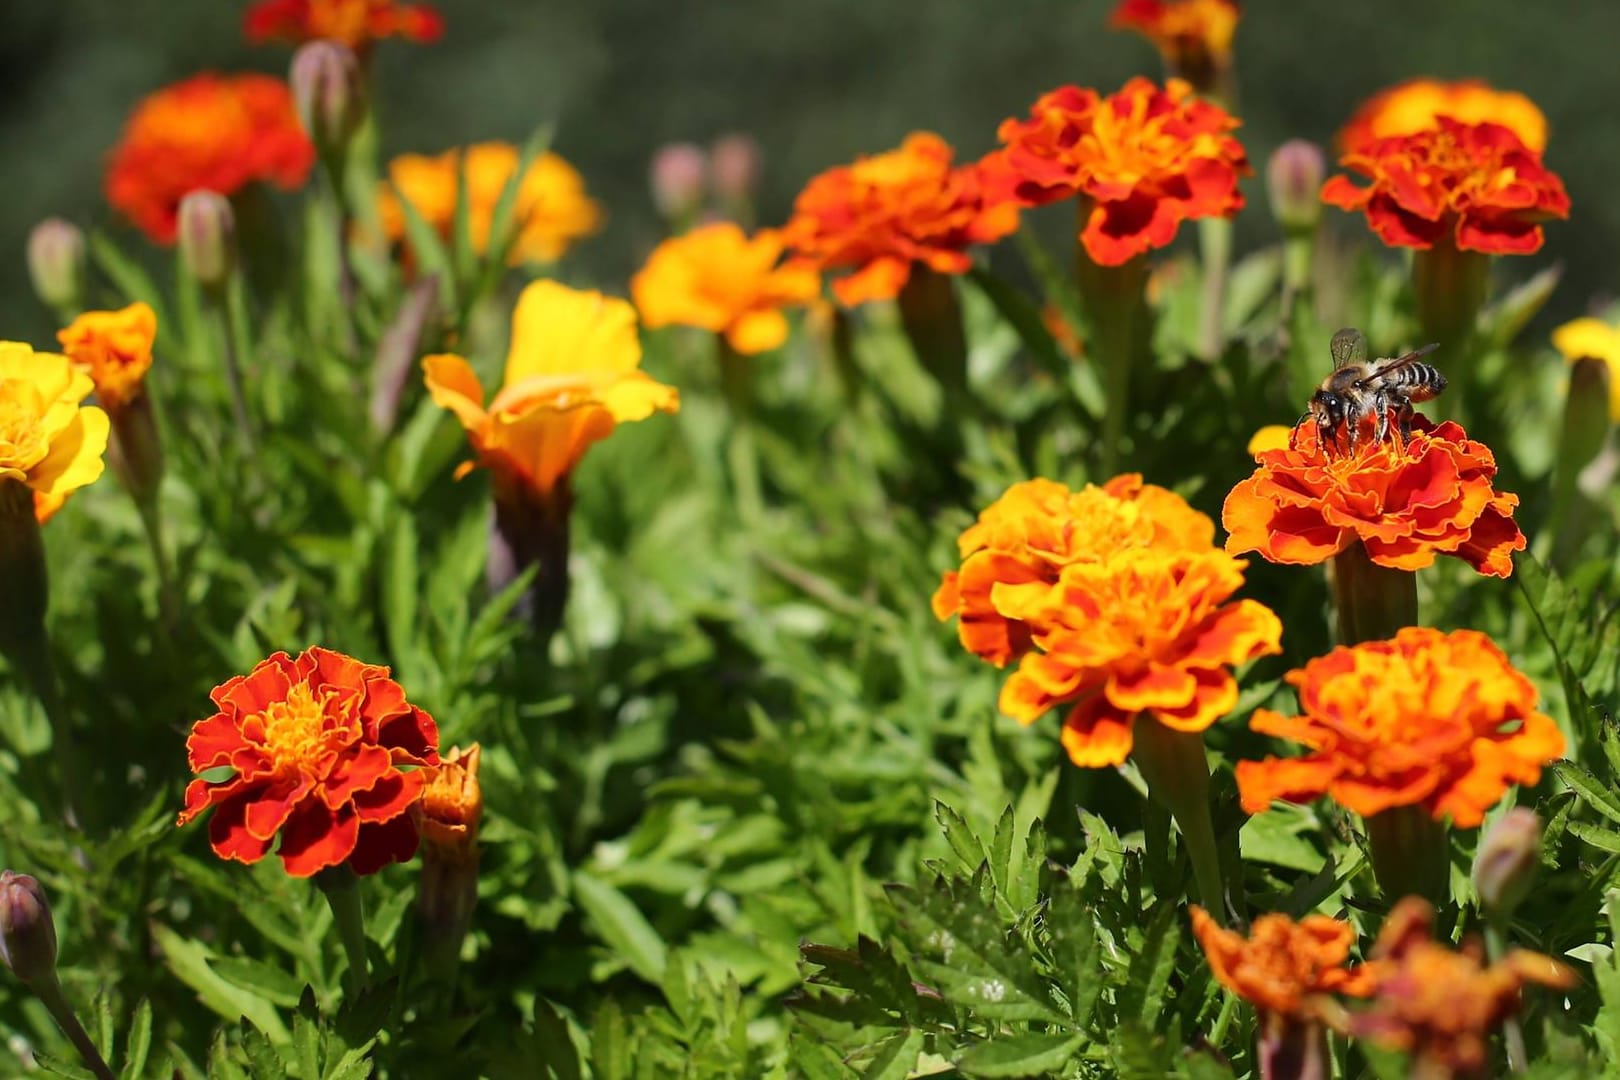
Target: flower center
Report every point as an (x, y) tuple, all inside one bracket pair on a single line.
[(22, 442), (305, 732)]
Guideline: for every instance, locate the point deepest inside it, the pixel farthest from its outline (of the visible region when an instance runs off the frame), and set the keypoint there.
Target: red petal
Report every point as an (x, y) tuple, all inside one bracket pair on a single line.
[(316, 837), (391, 795), (381, 843), (270, 810), (412, 736), (212, 741), (253, 692), (355, 772), (227, 832)]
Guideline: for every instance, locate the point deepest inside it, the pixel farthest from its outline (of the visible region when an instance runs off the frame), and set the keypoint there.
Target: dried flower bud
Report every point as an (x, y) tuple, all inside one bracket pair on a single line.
[(56, 263), (208, 237), (27, 933), (734, 167), (1293, 180), (677, 180), (326, 89), (1506, 865)]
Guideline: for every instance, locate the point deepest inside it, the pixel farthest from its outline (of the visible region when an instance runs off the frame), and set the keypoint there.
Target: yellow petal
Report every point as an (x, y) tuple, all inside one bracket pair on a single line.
[(1588, 337), (1270, 437), (637, 396), (453, 385), (75, 458), (757, 332), (557, 330)]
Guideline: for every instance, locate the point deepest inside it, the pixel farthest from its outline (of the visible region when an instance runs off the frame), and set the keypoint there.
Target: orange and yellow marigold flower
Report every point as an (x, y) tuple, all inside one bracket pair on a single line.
[(220, 132), (1143, 160), (49, 442), (315, 748), (1587, 338), (883, 214), (355, 23), (1405, 502), (718, 278), (1429, 719), (1477, 186), (114, 348), (1193, 36), (452, 806), (1284, 968), (1417, 104)]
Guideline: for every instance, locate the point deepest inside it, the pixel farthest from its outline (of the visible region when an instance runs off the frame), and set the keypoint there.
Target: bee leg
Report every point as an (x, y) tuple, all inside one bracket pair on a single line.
[(1405, 414)]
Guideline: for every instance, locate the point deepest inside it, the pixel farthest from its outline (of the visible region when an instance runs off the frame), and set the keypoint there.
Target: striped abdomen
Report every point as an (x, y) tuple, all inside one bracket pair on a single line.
[(1414, 381)]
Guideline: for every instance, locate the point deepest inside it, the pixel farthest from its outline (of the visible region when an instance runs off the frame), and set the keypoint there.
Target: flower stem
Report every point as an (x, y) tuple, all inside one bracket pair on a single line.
[(1448, 290), (1177, 774), (742, 453), (1496, 947), (1373, 601), (49, 992), (342, 890), (1410, 854), (1215, 243), (223, 307), (932, 317), (1113, 298)]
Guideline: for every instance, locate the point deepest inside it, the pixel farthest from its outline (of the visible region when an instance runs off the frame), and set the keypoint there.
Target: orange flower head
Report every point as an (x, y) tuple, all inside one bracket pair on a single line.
[(572, 376), (49, 442), (1013, 556), (1146, 159), (1405, 502), (1440, 1005), (355, 23), (887, 212), (219, 132), (1417, 104), (1477, 186), (315, 748), (552, 210), (114, 348), (452, 806), (1441, 721), (1283, 967), (1193, 36), (718, 278)]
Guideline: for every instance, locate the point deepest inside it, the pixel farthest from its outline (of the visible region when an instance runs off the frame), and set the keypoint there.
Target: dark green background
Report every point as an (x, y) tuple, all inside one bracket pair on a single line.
[(817, 81)]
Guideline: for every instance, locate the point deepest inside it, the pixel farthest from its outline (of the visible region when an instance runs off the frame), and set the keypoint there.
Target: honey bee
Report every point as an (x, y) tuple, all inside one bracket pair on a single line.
[(1381, 389)]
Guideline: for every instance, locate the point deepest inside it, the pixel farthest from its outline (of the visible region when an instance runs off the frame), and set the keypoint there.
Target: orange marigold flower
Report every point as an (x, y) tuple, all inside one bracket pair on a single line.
[(48, 441), (355, 23), (220, 132), (1284, 967), (1404, 503), (1441, 721), (883, 213), (1440, 1005), (1014, 554), (315, 748), (1476, 185), (1146, 158), (1193, 36), (1416, 105), (452, 806), (552, 210), (114, 348), (718, 278)]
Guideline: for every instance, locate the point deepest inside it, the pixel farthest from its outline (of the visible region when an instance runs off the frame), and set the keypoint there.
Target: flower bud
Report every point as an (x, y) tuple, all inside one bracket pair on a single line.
[(447, 817), (677, 180), (1505, 868), (208, 237), (27, 934), (135, 451), (1293, 181), (734, 167), (326, 89), (1586, 413), (56, 263)]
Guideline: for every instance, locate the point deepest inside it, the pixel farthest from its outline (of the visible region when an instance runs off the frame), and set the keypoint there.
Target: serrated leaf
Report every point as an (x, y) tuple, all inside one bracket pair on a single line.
[(262, 1057), (1602, 839), (1151, 967), (1029, 1054), (191, 963), (622, 926), (270, 983), (355, 1064), (895, 1056), (139, 1043), (51, 1065), (1591, 790), (964, 843)]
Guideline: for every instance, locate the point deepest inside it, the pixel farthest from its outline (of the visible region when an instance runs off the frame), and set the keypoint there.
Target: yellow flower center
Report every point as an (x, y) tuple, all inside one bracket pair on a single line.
[(304, 732), (22, 440)]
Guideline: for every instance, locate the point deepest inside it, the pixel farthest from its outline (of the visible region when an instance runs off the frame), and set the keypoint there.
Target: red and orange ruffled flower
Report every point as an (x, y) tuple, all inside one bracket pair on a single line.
[(316, 749), (1145, 159), (1429, 719), (1284, 968), (1405, 503), (220, 132), (887, 212), (355, 23), (1477, 186), (1193, 36), (114, 348), (1417, 104)]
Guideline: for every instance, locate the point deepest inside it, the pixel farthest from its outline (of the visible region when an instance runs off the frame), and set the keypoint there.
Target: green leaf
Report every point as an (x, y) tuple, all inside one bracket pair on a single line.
[(1602, 839), (51, 1065), (306, 1035), (611, 1051), (355, 1064), (1591, 790), (139, 1044), (551, 1032), (1504, 320), (270, 983), (959, 835), (621, 925), (428, 250), (191, 964), (1025, 318), (1029, 1054), (1151, 967), (262, 1057), (895, 1056)]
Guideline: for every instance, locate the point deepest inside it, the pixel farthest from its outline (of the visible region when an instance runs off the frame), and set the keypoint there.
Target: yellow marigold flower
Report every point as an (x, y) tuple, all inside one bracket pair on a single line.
[(1412, 106), (1270, 437), (114, 348), (718, 278), (48, 440), (572, 375), (1589, 338), (46, 506)]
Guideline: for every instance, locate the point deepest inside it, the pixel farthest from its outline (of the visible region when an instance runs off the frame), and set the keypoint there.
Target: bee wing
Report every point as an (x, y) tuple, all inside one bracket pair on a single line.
[(1381, 368)]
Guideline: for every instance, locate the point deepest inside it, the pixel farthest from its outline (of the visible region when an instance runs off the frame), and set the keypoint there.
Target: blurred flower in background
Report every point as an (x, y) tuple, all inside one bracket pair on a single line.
[(678, 178), (1193, 36), (355, 23), (1593, 339), (1417, 104), (114, 348)]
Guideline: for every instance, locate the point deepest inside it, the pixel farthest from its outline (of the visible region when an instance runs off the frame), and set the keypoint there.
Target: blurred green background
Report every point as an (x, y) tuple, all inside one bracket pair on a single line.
[(816, 81)]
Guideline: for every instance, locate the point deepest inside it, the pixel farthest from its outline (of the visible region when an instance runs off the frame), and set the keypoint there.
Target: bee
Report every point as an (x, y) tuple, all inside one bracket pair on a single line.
[(1382, 389)]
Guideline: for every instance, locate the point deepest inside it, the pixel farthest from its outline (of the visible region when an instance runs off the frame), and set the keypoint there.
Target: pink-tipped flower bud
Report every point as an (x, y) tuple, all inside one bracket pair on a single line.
[(1505, 868), (1293, 182), (326, 89), (734, 167), (677, 179), (56, 263), (208, 237), (27, 933)]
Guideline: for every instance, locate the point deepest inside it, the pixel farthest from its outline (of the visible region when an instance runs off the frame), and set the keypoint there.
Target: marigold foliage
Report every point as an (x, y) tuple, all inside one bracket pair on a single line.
[(114, 348), (1417, 104), (1283, 967), (355, 23), (48, 440)]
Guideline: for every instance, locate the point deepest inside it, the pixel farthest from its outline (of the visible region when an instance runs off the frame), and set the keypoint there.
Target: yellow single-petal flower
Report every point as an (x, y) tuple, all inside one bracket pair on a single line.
[(556, 329), (48, 440)]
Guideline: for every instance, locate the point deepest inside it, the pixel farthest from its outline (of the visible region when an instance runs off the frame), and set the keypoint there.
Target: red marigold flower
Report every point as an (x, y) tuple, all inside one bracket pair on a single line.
[(883, 213), (1476, 185), (315, 746), (355, 23), (1417, 104), (1193, 36), (1146, 158), (1405, 503), (1441, 721), (1283, 967), (221, 132)]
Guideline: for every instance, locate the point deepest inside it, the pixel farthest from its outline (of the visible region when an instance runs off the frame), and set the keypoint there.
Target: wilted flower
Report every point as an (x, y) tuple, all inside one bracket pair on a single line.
[(355, 23), (27, 931), (1428, 719), (676, 177), (718, 278), (1417, 104), (1193, 36), (221, 132), (315, 748), (114, 348), (1284, 968), (1593, 339), (56, 262), (48, 441)]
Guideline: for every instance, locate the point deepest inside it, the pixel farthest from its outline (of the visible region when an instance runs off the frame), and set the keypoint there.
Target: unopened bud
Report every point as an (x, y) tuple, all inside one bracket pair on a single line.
[(1293, 183), (27, 934), (677, 180), (326, 90), (56, 263), (447, 816), (1586, 413), (1505, 868), (208, 237), (734, 167), (135, 451)]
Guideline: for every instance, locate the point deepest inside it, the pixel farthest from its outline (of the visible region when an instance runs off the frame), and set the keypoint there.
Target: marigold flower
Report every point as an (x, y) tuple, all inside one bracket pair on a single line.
[(1476, 185), (1283, 967), (552, 210), (114, 348), (1146, 158), (1589, 338), (884, 213), (316, 747), (221, 132), (1405, 503), (1270, 437), (1441, 721), (1013, 556), (452, 805), (1193, 36), (1415, 105), (46, 506), (48, 441), (718, 278), (355, 23), (1439, 1004)]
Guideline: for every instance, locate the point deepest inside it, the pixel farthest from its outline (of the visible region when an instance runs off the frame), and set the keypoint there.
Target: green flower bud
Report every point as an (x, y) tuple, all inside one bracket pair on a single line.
[(208, 237), (326, 89), (1505, 868), (1293, 180), (56, 264), (27, 933)]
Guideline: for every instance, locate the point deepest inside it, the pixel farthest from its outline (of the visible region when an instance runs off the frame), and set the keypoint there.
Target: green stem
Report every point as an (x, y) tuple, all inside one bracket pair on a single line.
[(932, 317), (1448, 290), (50, 994), (223, 313), (1496, 947), (742, 453), (1215, 242), (1113, 298), (1373, 602), (1410, 854), (342, 890), (1177, 774), (168, 591)]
